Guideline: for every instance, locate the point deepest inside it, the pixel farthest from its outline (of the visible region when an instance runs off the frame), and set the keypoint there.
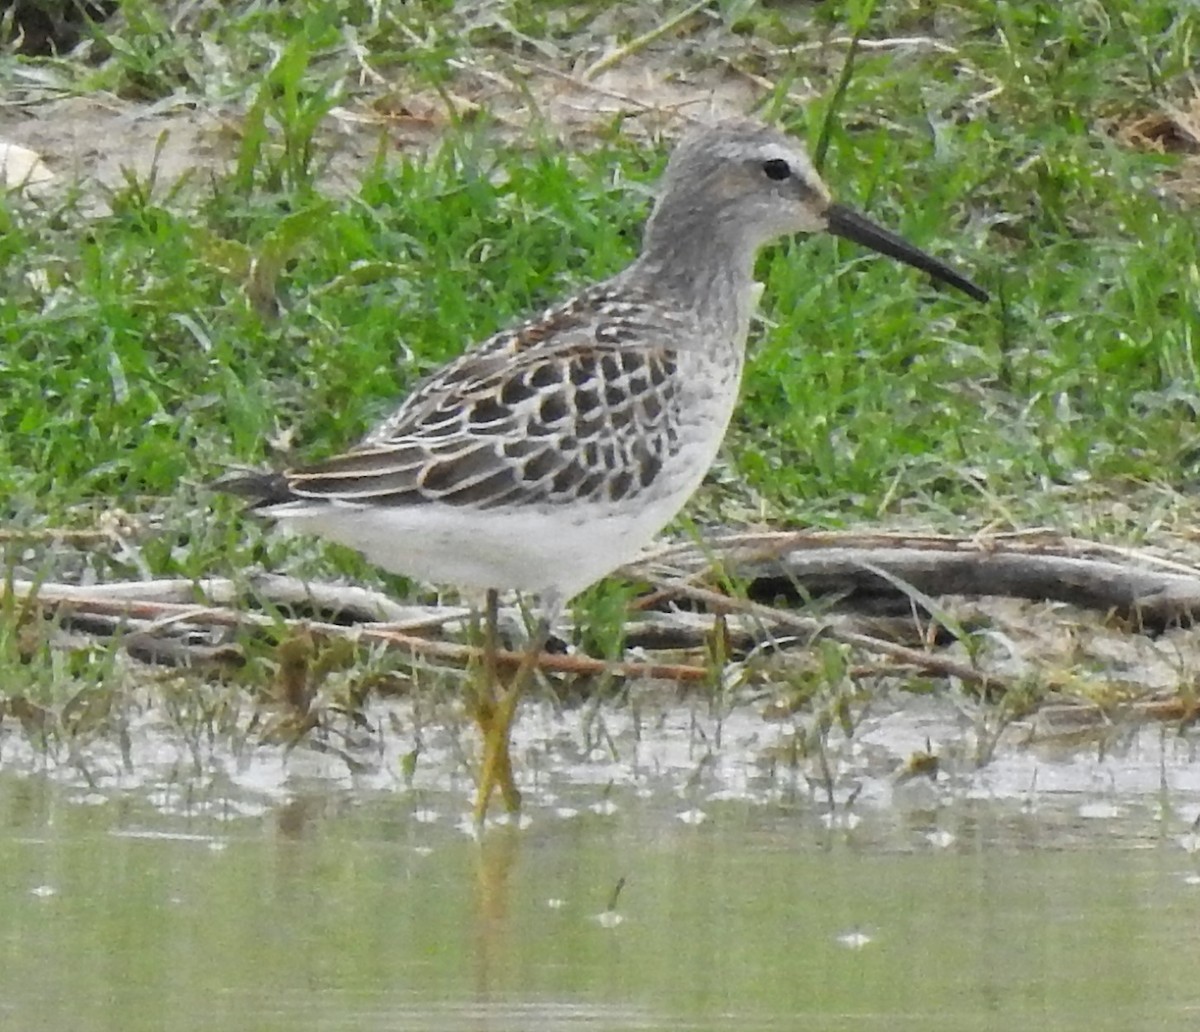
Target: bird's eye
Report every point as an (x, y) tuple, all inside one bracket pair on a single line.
[(777, 168)]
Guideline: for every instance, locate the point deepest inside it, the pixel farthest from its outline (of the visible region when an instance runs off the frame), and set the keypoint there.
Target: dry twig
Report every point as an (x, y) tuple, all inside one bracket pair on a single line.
[(916, 569), (60, 598)]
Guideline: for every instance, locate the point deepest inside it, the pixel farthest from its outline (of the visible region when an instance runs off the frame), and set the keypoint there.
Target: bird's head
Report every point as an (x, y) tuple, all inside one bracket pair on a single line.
[(743, 184)]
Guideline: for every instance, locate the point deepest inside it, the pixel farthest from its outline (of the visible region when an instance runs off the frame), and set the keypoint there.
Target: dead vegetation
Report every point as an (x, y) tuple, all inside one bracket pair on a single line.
[(989, 613)]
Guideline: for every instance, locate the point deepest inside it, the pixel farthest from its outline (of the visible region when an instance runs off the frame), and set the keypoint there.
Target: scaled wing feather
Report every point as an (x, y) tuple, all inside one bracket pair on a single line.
[(581, 403)]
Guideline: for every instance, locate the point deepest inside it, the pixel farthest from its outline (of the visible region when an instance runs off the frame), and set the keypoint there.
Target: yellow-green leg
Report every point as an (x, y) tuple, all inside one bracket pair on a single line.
[(495, 711)]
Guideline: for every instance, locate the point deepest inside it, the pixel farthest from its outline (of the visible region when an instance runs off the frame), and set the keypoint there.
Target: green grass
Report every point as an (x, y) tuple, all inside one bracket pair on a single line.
[(136, 363)]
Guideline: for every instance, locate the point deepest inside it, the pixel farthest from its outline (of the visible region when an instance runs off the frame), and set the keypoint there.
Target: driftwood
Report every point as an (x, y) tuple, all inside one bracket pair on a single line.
[(138, 620), (1149, 590), (180, 621), (813, 629), (337, 601)]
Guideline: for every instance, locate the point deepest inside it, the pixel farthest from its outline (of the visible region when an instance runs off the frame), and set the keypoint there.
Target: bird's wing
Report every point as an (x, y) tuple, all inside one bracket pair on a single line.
[(580, 404)]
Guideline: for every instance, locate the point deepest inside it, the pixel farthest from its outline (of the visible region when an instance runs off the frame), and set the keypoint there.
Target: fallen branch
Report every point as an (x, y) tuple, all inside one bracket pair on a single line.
[(686, 629), (52, 536), (814, 628), (915, 569), (58, 598), (343, 601), (1148, 589)]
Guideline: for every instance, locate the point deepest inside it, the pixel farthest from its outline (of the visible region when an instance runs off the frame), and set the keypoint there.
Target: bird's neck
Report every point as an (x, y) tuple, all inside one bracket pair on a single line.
[(705, 266)]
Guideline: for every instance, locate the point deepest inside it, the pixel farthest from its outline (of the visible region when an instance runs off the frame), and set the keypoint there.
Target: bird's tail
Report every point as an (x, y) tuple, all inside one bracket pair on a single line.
[(262, 488)]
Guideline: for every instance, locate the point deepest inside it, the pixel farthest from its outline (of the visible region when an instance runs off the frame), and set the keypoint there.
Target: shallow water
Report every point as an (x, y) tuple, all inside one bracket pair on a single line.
[(264, 894)]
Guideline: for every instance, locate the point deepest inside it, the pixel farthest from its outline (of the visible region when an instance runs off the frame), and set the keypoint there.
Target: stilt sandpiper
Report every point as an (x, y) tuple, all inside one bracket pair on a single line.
[(548, 455)]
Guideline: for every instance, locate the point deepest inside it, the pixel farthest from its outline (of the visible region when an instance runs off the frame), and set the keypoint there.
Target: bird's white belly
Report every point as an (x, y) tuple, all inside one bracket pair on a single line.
[(555, 552)]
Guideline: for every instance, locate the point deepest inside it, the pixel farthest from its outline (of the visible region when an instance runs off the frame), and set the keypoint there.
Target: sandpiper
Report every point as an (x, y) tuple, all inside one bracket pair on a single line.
[(550, 454)]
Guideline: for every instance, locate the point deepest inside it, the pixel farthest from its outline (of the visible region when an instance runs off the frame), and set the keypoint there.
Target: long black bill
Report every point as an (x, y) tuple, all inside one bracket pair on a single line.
[(845, 222)]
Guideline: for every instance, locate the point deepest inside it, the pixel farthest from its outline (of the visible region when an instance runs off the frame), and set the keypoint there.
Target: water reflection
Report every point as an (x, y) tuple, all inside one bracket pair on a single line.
[(1029, 893)]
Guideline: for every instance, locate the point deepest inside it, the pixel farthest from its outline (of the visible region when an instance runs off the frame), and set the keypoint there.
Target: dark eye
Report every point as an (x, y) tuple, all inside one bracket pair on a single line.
[(777, 168)]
